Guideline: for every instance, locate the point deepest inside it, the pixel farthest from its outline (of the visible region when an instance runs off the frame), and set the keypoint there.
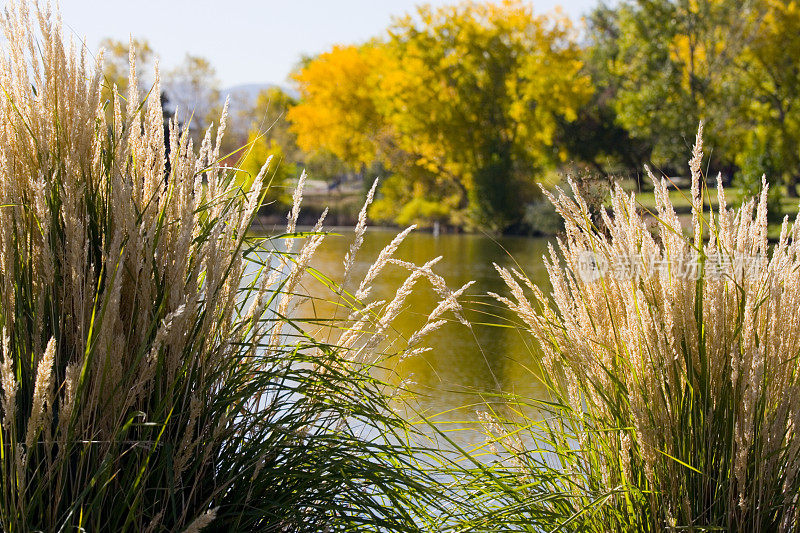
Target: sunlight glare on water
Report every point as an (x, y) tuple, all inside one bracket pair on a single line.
[(463, 363)]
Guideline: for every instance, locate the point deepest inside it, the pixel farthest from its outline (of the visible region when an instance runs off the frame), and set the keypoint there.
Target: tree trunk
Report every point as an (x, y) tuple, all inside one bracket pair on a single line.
[(791, 185)]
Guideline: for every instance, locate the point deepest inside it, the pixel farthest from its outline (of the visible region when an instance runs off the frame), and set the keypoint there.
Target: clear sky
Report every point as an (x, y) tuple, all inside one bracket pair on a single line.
[(247, 41)]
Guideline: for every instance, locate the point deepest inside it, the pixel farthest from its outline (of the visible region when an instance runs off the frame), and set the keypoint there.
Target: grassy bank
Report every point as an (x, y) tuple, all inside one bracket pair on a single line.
[(154, 374), (160, 371), (673, 387)]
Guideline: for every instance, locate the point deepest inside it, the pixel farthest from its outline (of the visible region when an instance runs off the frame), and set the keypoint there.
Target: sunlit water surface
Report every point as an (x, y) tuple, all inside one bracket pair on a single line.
[(465, 367)]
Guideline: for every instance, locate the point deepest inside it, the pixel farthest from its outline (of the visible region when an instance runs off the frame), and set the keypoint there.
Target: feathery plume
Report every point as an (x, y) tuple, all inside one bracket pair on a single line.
[(634, 347), (9, 382), (361, 227), (41, 390), (382, 260), (202, 521)]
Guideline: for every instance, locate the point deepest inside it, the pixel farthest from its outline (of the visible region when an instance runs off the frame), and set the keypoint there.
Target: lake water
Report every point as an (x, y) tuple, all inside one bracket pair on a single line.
[(464, 364)]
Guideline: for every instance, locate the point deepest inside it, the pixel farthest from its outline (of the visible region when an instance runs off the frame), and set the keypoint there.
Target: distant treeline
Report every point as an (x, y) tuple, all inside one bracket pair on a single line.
[(463, 109)]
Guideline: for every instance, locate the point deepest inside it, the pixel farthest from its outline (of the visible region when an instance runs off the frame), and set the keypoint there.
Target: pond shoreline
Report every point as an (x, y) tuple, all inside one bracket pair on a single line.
[(275, 223)]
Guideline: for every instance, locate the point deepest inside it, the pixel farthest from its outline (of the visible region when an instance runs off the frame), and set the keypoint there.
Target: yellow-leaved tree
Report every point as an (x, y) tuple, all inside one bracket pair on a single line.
[(460, 104), (338, 112), (769, 74), (269, 136)]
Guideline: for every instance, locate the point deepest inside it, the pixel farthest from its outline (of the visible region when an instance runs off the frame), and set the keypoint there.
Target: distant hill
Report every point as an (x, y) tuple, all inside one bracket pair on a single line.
[(245, 95), (242, 97)]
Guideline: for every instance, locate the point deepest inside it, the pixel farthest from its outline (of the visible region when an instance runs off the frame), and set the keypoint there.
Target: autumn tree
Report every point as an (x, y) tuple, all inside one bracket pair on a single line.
[(338, 110), (768, 72), (460, 103), (596, 140), (116, 66), (477, 91), (194, 89), (269, 136), (269, 116), (674, 63)]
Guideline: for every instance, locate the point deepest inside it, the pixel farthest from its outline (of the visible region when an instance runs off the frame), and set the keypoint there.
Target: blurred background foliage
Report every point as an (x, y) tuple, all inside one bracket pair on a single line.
[(463, 110)]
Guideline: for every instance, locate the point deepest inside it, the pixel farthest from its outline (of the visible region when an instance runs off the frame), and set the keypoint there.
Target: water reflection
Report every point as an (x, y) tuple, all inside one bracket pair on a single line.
[(463, 362)]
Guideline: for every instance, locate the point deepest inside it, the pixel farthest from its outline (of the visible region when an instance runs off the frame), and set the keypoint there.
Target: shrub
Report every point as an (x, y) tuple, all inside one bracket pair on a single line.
[(672, 362), (156, 375), (757, 163), (541, 219)]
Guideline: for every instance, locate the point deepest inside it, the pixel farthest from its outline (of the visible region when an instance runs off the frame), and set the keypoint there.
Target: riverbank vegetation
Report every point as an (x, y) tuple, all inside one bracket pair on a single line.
[(465, 109), (673, 371), (155, 373), (165, 369)]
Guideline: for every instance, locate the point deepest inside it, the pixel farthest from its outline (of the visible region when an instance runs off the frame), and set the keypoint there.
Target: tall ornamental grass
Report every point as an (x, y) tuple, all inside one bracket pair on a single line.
[(672, 360), (156, 373)]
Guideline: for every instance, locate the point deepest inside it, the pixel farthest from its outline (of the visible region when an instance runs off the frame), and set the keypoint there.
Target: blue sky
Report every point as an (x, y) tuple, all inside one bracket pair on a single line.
[(247, 41)]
